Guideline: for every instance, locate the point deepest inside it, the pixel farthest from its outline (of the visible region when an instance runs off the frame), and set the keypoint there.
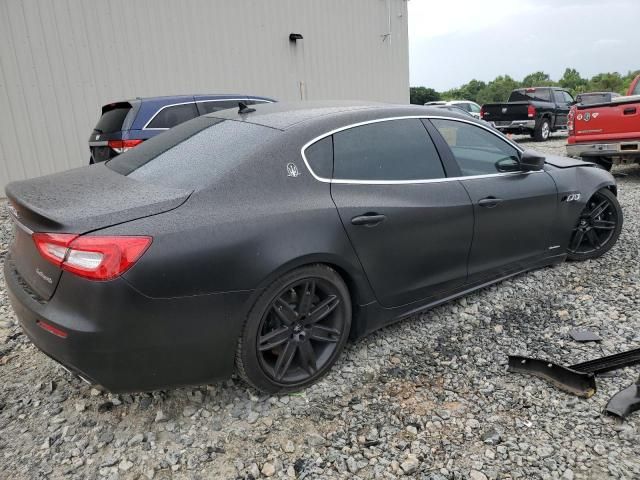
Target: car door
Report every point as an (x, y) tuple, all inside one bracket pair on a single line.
[(563, 104), (513, 210), (410, 226)]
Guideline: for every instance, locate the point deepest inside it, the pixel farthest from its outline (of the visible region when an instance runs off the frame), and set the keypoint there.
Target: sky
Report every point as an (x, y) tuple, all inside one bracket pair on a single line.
[(454, 41)]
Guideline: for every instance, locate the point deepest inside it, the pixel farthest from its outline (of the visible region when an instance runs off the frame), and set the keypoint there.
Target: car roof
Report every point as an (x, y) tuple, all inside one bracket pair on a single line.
[(285, 115), (169, 99)]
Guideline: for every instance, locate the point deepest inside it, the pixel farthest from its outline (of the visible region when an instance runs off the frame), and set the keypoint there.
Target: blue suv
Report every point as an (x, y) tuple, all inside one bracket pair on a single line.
[(123, 125)]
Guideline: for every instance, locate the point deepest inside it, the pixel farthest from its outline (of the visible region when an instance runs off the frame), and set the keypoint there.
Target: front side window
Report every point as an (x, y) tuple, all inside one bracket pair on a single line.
[(474, 108), (567, 97), (171, 116), (390, 150), (476, 150), (463, 106)]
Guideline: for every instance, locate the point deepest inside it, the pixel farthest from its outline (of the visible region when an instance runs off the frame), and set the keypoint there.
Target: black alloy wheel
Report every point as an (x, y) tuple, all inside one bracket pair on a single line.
[(296, 330), (598, 227)]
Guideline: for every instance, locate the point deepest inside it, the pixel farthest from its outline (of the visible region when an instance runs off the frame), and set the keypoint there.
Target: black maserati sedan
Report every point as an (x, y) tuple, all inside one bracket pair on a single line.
[(259, 240)]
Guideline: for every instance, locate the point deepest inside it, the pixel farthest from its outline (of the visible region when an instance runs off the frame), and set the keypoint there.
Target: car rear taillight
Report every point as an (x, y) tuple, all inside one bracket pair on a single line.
[(122, 146), (570, 120), (95, 257), (482, 112), (531, 111)]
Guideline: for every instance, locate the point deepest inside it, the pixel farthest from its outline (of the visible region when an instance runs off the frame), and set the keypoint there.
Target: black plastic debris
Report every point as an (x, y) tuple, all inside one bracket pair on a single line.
[(583, 336)]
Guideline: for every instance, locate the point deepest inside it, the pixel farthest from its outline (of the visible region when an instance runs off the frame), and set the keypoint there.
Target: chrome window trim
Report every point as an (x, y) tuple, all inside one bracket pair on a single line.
[(196, 102), (406, 182)]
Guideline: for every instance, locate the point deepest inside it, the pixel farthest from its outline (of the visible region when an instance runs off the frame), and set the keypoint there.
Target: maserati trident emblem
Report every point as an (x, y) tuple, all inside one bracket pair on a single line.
[(292, 170), (504, 109)]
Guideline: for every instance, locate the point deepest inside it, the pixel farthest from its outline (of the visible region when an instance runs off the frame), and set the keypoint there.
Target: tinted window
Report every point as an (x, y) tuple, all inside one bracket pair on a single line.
[(216, 105), (477, 151), (464, 106), (171, 116), (567, 97), (112, 118), (562, 97), (320, 157), (392, 150), (474, 108), (539, 94), (195, 153)]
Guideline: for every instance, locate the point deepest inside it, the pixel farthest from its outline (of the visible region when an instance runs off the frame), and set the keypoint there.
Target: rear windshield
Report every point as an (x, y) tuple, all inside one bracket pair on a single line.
[(193, 154), (541, 95), (112, 118)]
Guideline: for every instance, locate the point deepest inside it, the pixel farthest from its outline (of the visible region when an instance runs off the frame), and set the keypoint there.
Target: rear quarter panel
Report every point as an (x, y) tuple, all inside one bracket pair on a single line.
[(244, 231)]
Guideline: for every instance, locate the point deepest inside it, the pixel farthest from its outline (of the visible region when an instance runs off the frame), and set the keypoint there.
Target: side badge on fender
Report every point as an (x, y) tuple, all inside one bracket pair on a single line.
[(292, 170), (571, 197)]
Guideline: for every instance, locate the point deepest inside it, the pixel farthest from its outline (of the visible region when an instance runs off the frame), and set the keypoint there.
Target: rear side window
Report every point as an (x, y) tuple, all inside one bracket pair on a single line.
[(320, 157), (112, 118), (390, 150), (169, 117), (194, 154)]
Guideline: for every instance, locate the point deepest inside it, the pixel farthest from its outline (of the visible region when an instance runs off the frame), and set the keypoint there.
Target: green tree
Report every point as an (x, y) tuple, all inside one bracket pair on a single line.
[(606, 82), (497, 90), (572, 81), (422, 95), (537, 79)]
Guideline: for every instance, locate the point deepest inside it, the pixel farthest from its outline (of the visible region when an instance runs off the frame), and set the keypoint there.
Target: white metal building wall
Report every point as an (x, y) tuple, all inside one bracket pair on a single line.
[(61, 60)]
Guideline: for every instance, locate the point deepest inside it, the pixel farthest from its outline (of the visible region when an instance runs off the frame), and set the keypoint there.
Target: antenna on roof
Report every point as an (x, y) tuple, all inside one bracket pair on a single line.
[(242, 108)]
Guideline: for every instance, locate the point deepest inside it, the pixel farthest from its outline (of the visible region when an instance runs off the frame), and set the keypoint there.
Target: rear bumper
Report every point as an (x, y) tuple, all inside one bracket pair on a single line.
[(516, 126), (125, 341), (629, 148)]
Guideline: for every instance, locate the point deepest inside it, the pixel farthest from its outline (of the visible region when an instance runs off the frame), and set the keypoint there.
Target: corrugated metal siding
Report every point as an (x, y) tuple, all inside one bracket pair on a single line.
[(61, 60)]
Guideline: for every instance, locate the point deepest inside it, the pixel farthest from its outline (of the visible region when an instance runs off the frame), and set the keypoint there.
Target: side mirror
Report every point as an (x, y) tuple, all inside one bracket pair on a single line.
[(531, 161)]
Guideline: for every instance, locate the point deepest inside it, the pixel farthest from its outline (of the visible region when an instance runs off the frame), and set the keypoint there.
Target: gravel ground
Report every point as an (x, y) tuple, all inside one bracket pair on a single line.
[(427, 398)]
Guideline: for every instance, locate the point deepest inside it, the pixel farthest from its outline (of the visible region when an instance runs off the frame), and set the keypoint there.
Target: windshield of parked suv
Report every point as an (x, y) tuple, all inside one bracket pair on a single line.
[(541, 95), (193, 154)]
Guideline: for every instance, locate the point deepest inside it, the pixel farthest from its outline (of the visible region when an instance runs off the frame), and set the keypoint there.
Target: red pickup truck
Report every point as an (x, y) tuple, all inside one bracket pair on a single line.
[(607, 133)]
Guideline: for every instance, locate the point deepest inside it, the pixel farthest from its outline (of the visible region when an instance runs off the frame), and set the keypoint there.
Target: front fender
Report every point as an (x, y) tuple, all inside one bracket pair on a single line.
[(585, 180)]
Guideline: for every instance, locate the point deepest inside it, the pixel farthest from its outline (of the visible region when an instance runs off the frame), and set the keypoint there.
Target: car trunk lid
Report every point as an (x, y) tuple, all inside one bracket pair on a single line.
[(77, 201)]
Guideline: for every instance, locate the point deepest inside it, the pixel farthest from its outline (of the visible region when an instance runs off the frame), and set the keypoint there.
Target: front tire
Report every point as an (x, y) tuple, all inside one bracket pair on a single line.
[(598, 227), (295, 331), (542, 131)]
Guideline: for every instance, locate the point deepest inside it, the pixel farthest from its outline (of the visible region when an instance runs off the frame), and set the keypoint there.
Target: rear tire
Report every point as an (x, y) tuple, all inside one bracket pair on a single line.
[(295, 331), (542, 131), (598, 227)]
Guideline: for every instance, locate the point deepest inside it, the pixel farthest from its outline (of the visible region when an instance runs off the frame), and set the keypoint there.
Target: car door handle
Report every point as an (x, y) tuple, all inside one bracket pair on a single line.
[(368, 219), (629, 111), (490, 202)]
